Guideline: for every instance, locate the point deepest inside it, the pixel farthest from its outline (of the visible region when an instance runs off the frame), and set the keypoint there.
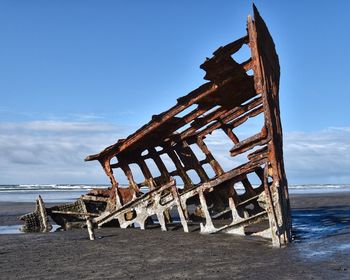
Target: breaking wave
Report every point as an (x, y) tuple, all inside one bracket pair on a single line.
[(80, 187)]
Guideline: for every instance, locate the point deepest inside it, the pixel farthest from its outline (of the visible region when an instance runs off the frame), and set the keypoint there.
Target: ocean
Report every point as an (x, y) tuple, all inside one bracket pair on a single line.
[(70, 192)]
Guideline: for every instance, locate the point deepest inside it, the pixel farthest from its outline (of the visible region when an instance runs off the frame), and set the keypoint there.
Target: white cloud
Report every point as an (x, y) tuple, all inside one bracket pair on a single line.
[(321, 157), (54, 152), (55, 126), (318, 157)]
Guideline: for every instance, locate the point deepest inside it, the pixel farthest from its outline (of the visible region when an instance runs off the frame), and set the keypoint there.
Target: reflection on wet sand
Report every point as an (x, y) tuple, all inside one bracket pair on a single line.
[(321, 232)]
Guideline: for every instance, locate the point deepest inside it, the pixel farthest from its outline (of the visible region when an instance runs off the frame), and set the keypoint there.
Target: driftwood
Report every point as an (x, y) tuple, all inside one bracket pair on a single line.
[(235, 92)]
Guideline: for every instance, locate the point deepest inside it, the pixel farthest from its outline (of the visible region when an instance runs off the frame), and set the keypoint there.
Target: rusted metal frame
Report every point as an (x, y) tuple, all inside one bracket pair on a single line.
[(256, 155), (146, 173), (228, 131), (74, 213), (258, 139), (231, 48), (220, 69), (262, 152), (245, 197), (180, 169), (258, 83), (126, 207), (244, 222), (108, 170), (128, 173), (144, 209), (237, 220), (184, 148), (235, 112), (209, 157), (248, 64), (114, 195), (248, 186), (240, 120), (260, 171), (243, 118), (237, 172), (207, 118), (124, 161), (209, 226), (223, 118), (262, 87), (181, 210), (238, 200), (250, 191), (242, 146), (271, 210), (271, 93), (238, 223), (199, 123), (160, 164), (231, 111), (234, 175), (235, 120), (200, 110), (127, 159), (232, 89), (239, 178), (115, 165), (276, 156), (281, 195), (248, 200), (193, 115)]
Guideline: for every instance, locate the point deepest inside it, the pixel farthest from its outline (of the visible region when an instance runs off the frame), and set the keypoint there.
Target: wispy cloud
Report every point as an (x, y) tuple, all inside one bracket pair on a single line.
[(56, 126), (310, 157), (53, 152), (87, 117), (319, 156)]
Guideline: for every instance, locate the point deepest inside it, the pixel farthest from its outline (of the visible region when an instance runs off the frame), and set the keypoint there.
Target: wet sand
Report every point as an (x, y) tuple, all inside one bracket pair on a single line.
[(321, 249)]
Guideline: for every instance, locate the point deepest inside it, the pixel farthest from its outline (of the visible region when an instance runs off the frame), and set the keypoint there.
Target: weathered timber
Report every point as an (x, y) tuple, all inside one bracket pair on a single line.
[(223, 198)]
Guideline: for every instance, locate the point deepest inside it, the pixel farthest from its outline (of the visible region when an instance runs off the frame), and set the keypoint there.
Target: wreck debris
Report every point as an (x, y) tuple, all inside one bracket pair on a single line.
[(90, 228), (176, 143), (227, 101), (37, 220), (70, 215)]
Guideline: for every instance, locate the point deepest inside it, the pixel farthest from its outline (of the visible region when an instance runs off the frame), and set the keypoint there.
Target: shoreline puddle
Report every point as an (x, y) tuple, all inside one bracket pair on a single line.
[(15, 229)]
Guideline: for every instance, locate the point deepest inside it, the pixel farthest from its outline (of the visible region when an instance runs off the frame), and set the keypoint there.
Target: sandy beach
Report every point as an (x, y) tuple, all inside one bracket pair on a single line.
[(321, 249)]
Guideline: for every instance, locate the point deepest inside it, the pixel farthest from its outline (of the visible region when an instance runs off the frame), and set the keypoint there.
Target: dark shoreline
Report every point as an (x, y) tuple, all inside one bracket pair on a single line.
[(321, 249)]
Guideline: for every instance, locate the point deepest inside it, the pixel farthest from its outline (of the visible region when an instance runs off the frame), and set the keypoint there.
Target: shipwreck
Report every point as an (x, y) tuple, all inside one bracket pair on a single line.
[(235, 92)]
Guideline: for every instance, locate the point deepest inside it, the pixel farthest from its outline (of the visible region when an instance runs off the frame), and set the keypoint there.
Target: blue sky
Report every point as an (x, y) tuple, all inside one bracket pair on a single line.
[(77, 75)]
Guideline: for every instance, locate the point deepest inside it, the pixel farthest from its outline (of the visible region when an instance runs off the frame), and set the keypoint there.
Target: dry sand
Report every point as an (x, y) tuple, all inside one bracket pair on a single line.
[(321, 250)]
